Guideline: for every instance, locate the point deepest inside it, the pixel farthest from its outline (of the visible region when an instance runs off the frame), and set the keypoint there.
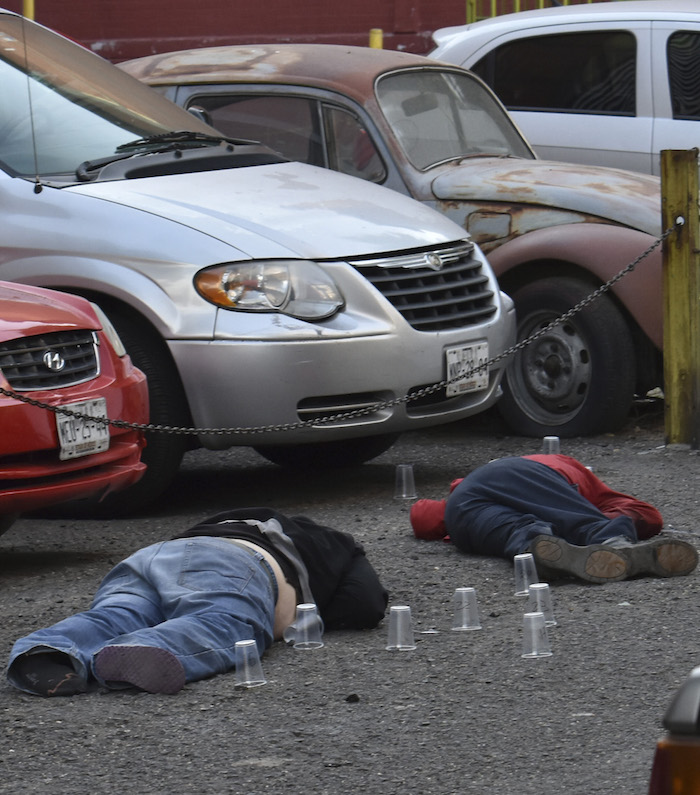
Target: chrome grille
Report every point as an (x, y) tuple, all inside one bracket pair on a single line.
[(22, 361), (434, 289)]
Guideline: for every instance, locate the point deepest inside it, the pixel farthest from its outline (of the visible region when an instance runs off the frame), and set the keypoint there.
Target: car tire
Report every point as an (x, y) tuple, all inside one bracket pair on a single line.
[(578, 379), (328, 455)]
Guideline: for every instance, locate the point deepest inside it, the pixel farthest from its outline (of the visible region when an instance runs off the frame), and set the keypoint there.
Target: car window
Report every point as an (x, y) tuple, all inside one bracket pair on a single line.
[(289, 125), (350, 147), (442, 115), (683, 53), (592, 72)]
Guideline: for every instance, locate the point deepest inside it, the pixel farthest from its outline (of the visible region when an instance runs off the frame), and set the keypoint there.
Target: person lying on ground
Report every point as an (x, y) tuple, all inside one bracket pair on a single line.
[(172, 612), (557, 509)]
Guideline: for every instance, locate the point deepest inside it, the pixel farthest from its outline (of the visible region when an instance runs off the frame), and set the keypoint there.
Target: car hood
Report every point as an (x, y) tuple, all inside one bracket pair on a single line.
[(622, 197), (28, 311), (287, 209)]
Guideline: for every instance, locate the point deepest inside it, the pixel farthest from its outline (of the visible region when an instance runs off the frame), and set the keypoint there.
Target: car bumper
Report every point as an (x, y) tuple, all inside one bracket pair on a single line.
[(32, 476), (251, 385)]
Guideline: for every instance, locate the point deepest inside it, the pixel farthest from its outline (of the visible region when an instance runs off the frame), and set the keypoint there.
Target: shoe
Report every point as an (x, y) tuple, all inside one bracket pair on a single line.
[(149, 668), (661, 556), (596, 563), (49, 674)]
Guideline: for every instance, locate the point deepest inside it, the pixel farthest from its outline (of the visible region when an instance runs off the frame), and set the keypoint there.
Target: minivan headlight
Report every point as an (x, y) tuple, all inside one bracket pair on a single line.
[(299, 288)]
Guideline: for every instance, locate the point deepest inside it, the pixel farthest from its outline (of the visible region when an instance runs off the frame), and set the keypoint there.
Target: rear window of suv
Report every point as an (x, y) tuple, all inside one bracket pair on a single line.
[(590, 72)]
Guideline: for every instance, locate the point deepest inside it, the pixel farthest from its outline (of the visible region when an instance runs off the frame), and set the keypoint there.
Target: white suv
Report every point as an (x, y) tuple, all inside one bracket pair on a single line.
[(608, 84), (298, 306)]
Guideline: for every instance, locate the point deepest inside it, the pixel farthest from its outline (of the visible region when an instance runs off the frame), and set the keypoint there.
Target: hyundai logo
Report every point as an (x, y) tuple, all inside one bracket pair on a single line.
[(54, 361), (433, 261)]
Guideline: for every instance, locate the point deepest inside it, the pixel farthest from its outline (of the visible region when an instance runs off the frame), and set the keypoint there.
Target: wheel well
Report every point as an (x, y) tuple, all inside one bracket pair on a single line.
[(112, 305), (648, 360)]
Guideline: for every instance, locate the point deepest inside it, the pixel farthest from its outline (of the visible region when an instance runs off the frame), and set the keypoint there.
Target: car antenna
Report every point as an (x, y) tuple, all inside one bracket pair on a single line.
[(37, 183)]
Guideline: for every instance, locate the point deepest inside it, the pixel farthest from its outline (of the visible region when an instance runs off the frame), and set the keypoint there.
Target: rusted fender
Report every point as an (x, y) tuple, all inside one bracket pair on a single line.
[(600, 249)]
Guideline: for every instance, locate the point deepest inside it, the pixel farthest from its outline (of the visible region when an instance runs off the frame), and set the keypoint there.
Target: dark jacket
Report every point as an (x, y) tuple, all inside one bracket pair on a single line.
[(345, 587)]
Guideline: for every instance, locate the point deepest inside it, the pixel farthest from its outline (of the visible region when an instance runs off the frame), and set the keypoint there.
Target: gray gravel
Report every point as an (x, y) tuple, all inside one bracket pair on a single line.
[(462, 713)]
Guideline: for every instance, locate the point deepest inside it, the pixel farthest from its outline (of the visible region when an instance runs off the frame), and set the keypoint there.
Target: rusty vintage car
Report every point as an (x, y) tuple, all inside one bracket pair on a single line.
[(553, 232)]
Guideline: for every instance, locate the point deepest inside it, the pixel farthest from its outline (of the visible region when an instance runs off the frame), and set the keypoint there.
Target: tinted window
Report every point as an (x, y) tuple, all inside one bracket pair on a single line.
[(289, 125), (573, 72), (350, 148), (683, 54)]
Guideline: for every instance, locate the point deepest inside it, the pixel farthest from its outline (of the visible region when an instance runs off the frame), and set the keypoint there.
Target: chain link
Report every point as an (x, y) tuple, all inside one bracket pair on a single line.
[(420, 393)]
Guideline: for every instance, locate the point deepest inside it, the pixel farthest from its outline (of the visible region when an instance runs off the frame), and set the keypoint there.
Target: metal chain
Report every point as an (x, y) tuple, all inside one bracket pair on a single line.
[(425, 391)]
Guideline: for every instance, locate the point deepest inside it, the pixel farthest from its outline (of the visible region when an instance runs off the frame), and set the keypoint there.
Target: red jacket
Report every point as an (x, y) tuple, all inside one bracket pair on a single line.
[(647, 520)]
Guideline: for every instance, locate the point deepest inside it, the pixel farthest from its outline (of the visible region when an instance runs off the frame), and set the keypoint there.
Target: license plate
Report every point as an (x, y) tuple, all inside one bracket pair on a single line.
[(79, 436), (460, 361)]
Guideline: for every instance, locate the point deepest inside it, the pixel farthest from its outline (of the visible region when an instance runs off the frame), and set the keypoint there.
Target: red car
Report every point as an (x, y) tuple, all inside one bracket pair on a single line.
[(60, 350)]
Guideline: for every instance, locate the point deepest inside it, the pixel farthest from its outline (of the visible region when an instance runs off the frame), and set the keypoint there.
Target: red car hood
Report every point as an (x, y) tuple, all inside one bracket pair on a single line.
[(26, 311)]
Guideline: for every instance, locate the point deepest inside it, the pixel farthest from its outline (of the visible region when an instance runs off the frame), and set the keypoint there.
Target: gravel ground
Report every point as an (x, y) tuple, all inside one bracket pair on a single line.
[(462, 713)]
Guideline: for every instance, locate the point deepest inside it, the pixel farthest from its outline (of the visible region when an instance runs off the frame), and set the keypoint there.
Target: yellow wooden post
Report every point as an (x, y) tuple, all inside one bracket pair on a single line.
[(681, 281)]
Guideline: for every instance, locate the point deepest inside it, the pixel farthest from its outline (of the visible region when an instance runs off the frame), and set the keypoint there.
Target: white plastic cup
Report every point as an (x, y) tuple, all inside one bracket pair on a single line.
[(405, 488), (400, 629), (535, 636), (550, 445), (307, 630), (540, 601), (466, 610), (249, 672), (525, 573)]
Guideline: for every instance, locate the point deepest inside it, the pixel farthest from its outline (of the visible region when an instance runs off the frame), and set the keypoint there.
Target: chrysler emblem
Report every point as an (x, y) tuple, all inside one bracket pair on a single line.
[(433, 261), (54, 361)]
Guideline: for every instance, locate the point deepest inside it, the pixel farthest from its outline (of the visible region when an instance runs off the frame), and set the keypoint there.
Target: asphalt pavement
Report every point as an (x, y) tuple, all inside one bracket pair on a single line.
[(462, 713)]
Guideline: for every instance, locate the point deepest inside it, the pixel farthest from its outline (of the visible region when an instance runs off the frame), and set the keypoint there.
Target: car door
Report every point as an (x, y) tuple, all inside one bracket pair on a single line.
[(577, 92), (675, 67)]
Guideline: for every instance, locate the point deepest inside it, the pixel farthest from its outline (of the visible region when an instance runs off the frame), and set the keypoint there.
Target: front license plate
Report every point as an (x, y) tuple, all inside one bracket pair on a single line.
[(79, 436), (460, 363)]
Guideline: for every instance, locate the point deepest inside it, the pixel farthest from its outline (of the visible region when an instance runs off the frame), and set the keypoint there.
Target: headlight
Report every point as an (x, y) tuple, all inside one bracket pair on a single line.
[(299, 288), (109, 331)]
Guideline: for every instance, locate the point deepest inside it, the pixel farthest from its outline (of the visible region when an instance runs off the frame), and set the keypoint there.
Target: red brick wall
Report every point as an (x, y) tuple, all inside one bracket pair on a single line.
[(120, 29)]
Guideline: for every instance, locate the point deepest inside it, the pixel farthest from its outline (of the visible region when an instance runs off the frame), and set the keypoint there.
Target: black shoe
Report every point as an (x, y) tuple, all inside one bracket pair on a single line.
[(661, 556), (49, 674), (149, 668), (597, 563)]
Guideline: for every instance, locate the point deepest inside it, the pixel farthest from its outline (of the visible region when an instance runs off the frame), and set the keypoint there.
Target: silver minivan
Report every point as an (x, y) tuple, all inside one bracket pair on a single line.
[(605, 84), (310, 314)]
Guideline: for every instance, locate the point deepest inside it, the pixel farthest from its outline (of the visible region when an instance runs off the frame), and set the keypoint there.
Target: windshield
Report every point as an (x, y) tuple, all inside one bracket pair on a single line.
[(60, 104), (440, 115)]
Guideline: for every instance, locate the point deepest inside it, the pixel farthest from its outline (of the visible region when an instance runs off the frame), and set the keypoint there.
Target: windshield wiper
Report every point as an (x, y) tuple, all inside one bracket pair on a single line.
[(183, 137)]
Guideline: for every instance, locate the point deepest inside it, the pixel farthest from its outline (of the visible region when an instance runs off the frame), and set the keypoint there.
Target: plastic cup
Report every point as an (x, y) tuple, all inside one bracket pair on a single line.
[(535, 637), (550, 445), (540, 601), (525, 573), (405, 483), (307, 630), (466, 610), (400, 629), (249, 672)]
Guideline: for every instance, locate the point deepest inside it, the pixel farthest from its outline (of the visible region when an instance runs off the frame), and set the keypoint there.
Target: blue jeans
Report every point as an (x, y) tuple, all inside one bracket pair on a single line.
[(194, 597), (500, 508)]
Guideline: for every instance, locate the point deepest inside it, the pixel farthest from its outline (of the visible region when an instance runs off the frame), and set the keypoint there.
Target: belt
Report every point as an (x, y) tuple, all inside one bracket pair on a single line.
[(260, 558)]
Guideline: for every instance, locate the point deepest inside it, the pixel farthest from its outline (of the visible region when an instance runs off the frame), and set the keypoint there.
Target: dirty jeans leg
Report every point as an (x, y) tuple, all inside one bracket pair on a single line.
[(501, 507), (194, 597)]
